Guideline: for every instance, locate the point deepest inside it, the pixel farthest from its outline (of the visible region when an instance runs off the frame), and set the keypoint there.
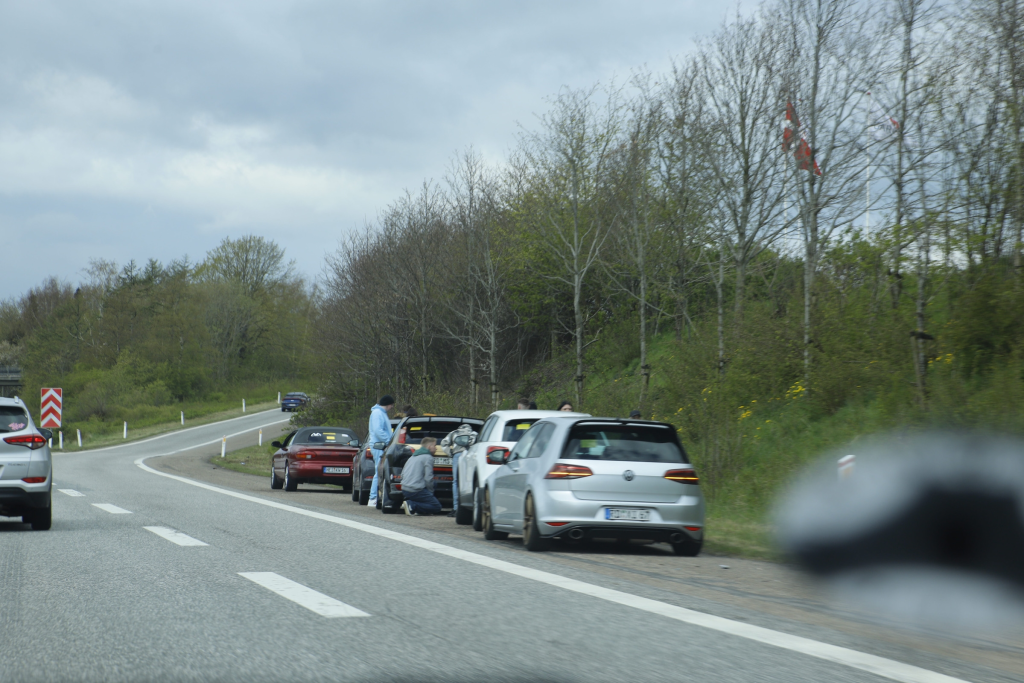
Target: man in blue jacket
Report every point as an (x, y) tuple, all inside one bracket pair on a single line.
[(380, 430)]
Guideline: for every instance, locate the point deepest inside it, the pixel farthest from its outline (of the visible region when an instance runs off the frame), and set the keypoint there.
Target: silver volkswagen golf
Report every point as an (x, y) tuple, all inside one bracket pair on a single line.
[(573, 477), (25, 466)]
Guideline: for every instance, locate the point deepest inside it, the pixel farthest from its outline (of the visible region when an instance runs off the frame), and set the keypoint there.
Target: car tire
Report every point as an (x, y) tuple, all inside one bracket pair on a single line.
[(464, 515), (478, 508), (490, 533), (532, 539), (290, 482), (356, 492), (364, 496), (40, 518), (688, 548)]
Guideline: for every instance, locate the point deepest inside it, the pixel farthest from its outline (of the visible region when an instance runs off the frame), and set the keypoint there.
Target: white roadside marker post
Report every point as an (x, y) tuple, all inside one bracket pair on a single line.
[(49, 442), (261, 437), (79, 437), (243, 405), (279, 398), (60, 436), (846, 464), (183, 418), (125, 430), (223, 446)]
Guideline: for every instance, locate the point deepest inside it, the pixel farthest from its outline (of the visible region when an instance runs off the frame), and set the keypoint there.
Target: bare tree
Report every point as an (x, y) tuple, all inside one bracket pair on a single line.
[(568, 163)]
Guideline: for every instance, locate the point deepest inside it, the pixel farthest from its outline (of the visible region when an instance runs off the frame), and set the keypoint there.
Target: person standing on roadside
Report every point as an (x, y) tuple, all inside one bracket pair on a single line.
[(454, 450), (380, 430), (418, 480)]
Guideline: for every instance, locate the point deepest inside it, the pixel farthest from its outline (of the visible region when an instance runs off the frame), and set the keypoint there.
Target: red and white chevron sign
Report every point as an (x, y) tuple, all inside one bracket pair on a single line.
[(52, 407)]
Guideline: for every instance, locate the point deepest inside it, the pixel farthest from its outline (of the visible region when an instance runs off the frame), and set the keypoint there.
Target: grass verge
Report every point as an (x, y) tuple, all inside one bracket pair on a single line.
[(248, 460)]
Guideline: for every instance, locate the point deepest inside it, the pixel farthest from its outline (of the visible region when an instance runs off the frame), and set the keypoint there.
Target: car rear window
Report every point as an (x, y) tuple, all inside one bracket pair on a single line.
[(324, 435), (630, 443), (12, 419), (514, 429), (418, 430)]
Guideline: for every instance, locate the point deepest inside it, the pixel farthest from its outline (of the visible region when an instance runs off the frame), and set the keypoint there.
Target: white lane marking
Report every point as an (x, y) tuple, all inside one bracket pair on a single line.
[(189, 429), (322, 604), (71, 492), (173, 536), (112, 509), (880, 666)]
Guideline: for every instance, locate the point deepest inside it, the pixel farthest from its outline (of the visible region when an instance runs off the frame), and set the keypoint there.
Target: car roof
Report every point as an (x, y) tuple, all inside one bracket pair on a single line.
[(537, 414), (443, 418), (575, 419), (16, 401)]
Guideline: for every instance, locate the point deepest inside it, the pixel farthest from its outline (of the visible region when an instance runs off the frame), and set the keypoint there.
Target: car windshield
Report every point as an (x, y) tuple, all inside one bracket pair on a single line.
[(418, 430), (12, 419), (325, 435), (514, 429), (630, 443)]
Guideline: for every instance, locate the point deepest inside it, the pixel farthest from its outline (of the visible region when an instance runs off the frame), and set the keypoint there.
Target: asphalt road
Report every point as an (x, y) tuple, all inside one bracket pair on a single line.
[(161, 566)]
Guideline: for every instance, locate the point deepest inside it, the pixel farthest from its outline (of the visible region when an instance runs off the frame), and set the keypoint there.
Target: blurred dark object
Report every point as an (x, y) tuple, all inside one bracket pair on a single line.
[(917, 515)]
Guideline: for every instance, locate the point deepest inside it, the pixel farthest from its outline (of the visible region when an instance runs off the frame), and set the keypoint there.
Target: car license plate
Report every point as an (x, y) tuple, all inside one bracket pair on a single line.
[(336, 470), (625, 513), (442, 462)]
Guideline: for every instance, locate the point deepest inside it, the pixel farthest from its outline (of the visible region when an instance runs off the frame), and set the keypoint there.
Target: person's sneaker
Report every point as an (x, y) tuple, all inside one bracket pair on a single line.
[(405, 508), (372, 503), (451, 514)]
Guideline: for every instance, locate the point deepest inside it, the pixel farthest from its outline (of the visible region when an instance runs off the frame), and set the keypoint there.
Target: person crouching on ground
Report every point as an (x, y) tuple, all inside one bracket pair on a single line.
[(418, 480)]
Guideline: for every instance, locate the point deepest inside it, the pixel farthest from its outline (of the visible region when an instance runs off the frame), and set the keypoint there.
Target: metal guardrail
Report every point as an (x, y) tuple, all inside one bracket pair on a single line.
[(10, 375)]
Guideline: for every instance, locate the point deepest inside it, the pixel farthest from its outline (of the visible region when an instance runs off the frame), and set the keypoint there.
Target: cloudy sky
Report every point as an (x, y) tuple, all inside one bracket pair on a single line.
[(155, 129)]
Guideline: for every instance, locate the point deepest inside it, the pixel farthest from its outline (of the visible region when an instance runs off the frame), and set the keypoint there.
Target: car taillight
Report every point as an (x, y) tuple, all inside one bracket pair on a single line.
[(556, 523), (563, 471), (304, 454), (33, 480), (32, 441), (369, 455), (688, 476)]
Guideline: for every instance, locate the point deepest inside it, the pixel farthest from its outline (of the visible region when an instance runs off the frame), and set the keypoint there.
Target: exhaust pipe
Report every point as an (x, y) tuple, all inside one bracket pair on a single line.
[(576, 534), (677, 537)]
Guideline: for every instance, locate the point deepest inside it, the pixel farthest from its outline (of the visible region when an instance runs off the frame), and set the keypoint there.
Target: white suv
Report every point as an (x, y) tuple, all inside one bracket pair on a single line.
[(26, 469), (501, 432)]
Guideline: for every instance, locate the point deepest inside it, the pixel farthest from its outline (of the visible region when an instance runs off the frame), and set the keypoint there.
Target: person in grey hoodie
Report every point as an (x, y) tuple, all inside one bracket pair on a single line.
[(418, 480)]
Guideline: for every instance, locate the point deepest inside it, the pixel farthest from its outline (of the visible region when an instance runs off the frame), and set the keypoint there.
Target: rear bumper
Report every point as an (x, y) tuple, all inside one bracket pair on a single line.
[(313, 472), (589, 517), (643, 533), (15, 498)]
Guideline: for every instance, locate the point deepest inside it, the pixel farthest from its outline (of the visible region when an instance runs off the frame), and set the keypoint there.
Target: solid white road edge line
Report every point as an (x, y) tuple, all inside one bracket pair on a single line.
[(322, 604), (71, 492), (188, 429), (174, 536), (112, 509), (880, 666)]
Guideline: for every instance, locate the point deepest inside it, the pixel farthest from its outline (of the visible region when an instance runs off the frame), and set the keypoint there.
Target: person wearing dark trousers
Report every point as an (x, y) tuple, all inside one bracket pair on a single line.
[(418, 480)]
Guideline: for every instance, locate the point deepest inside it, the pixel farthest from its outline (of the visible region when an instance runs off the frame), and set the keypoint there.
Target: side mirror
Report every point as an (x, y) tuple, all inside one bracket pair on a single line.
[(354, 442), (497, 456), (47, 434), (379, 446), (464, 440), (276, 444)]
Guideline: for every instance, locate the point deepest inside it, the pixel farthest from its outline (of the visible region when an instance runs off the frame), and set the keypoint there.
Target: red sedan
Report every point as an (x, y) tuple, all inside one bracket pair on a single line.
[(314, 455)]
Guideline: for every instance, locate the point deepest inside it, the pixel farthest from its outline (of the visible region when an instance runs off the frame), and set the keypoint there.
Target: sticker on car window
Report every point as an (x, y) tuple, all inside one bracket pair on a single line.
[(15, 426), (524, 427), (413, 429)]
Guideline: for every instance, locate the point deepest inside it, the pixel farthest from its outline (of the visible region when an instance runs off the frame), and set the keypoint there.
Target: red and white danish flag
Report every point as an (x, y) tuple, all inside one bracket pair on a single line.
[(52, 407)]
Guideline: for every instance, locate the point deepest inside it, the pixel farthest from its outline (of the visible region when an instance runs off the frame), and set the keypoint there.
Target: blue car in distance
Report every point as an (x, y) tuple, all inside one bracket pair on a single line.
[(293, 400)]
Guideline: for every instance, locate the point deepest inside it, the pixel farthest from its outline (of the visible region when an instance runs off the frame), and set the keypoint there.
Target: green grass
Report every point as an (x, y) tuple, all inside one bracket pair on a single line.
[(248, 460), (194, 417)]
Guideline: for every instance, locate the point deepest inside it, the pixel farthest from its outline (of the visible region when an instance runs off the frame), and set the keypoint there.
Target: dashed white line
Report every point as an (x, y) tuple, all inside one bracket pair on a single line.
[(322, 604), (71, 492), (112, 509), (174, 536)]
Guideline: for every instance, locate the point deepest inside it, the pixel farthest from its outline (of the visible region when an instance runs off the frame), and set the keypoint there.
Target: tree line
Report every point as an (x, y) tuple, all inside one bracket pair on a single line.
[(157, 334), (821, 190)]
